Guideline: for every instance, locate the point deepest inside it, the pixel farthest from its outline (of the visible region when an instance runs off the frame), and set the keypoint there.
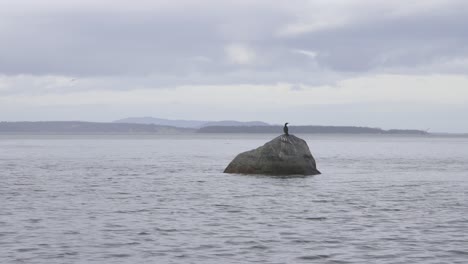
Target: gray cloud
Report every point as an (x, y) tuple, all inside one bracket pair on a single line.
[(186, 43), (391, 41)]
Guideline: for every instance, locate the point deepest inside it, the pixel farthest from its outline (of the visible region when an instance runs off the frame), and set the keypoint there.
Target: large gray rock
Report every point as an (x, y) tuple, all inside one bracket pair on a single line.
[(284, 155)]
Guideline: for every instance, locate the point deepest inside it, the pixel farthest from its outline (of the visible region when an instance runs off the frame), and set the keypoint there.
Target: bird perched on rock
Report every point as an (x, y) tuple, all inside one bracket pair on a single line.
[(285, 129)]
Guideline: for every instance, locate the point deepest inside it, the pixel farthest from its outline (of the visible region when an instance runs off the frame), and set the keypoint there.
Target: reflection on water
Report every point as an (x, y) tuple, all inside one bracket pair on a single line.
[(163, 199)]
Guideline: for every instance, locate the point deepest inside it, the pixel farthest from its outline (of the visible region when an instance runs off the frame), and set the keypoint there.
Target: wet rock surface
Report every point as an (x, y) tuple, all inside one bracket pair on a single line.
[(284, 155)]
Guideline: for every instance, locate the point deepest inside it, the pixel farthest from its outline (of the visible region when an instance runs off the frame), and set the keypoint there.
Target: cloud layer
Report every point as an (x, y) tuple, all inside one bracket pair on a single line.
[(239, 41)]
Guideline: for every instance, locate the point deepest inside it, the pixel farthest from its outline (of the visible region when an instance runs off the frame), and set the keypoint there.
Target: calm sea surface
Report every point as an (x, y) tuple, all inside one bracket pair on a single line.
[(164, 199)]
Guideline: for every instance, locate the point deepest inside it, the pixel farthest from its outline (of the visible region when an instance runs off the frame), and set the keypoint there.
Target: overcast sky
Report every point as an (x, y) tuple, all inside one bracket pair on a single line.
[(388, 64)]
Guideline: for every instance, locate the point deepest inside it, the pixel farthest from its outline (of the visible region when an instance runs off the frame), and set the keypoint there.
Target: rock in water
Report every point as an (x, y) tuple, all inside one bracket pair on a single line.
[(284, 155)]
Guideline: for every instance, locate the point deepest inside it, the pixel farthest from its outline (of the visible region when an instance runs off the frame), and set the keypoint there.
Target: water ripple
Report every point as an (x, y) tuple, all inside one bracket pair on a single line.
[(165, 200)]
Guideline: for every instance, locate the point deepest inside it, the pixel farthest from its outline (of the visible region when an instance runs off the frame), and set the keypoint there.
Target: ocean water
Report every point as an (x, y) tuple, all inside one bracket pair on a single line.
[(164, 199)]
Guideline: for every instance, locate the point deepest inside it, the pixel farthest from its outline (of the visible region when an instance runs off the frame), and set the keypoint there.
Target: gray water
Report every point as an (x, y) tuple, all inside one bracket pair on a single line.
[(164, 199)]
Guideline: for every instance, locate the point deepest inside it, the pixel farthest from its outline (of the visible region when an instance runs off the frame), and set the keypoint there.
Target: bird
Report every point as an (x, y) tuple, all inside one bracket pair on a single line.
[(285, 129)]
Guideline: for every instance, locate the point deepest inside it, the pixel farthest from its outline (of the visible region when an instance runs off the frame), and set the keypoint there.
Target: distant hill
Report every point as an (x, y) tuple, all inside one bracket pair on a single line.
[(235, 123), (187, 123), (308, 130), (77, 127), (162, 122)]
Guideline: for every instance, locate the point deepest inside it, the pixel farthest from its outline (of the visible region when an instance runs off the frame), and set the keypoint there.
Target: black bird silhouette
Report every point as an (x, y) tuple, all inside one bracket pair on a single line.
[(285, 129)]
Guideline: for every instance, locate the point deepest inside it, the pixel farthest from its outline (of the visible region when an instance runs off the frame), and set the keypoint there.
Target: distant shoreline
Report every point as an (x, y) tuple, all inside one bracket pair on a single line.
[(97, 128), (310, 130)]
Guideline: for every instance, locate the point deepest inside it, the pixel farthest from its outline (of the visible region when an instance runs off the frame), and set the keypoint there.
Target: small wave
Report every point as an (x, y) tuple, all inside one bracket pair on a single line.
[(316, 218), (459, 252), (121, 255), (261, 247), (390, 210), (26, 249), (314, 257)]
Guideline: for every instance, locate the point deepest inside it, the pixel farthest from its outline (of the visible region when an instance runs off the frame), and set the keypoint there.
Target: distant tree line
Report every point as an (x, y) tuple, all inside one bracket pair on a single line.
[(76, 127), (307, 130)]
